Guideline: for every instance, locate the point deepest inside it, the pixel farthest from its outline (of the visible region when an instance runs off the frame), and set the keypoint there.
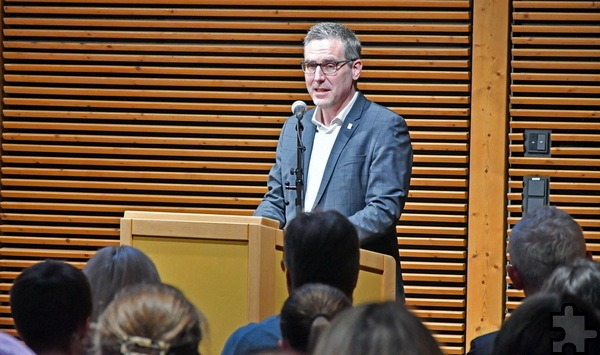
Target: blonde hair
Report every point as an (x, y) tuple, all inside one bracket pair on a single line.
[(149, 319)]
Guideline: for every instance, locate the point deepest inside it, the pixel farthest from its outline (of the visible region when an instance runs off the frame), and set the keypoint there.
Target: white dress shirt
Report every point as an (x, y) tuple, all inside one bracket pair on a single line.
[(322, 144)]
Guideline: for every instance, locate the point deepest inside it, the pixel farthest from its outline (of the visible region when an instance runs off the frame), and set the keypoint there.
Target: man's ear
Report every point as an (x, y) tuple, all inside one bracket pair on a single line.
[(515, 277), (589, 256), (356, 69)]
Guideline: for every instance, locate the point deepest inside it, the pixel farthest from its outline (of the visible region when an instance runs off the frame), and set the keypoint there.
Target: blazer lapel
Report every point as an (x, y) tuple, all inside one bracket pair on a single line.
[(347, 129), (308, 137)]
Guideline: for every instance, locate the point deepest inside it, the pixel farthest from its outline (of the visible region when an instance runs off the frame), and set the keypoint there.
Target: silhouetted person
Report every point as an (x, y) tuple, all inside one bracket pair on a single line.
[(51, 305)]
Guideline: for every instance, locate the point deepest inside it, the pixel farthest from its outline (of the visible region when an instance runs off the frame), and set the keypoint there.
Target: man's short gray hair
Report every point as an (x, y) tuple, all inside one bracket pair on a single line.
[(542, 241), (334, 30)]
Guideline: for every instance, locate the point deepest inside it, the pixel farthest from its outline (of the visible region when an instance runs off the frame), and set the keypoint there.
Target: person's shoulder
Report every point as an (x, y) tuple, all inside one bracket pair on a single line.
[(483, 344), (9, 345), (253, 337), (379, 112)]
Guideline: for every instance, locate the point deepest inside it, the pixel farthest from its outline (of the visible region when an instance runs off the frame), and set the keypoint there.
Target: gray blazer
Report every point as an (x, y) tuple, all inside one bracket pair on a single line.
[(366, 177)]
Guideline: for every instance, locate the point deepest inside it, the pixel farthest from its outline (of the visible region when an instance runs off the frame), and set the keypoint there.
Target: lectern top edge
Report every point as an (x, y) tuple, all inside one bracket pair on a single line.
[(203, 217)]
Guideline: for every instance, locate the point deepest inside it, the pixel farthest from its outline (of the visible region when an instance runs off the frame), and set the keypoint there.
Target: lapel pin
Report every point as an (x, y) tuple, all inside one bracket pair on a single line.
[(349, 126)]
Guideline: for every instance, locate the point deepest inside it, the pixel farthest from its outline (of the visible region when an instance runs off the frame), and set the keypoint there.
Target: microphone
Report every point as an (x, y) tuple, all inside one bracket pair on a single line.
[(298, 109)]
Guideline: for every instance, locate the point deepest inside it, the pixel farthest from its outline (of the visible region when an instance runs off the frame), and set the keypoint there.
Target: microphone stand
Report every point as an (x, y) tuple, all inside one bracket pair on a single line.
[(299, 171)]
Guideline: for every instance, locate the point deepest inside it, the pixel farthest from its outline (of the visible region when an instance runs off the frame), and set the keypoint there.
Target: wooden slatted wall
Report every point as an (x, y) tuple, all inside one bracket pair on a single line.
[(555, 85), (175, 105)]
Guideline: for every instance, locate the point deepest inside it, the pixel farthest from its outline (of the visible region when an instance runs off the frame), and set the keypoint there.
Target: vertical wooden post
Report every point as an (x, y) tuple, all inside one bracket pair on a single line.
[(488, 167)]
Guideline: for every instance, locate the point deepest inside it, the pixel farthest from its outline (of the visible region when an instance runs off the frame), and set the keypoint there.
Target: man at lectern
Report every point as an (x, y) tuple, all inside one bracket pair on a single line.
[(356, 154)]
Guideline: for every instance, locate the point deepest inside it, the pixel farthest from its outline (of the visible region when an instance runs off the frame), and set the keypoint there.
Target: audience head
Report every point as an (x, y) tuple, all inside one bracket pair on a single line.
[(51, 305), (581, 278), (539, 243), (307, 311), (385, 328), (543, 321), (322, 247), (149, 319), (113, 268), (335, 31)]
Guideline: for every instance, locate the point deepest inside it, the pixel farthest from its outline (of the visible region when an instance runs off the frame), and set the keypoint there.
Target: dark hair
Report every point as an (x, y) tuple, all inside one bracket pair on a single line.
[(542, 241), (145, 317), (322, 247), (380, 328), (581, 278), (50, 301), (307, 311), (543, 321), (113, 268)]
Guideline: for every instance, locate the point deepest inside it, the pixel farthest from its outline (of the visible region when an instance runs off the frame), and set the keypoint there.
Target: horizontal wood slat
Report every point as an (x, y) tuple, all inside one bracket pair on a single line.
[(423, 265), (303, 14), (180, 94), (117, 209), (433, 277), (523, 4), (439, 314), (27, 263), (433, 302), (42, 253), (555, 29), (153, 175), (6, 239), (205, 48), (239, 25), (348, 3), (210, 107), (228, 72), (100, 116), (221, 36), (215, 59), (556, 16)]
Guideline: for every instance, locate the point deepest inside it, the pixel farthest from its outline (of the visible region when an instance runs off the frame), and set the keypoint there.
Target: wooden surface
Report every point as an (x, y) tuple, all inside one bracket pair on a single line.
[(151, 105), (487, 190)]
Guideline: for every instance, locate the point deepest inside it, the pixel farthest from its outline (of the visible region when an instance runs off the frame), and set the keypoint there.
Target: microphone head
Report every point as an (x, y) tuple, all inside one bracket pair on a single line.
[(298, 108)]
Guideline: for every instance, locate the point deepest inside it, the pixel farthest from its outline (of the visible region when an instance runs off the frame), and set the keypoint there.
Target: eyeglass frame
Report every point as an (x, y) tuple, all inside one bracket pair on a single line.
[(338, 65)]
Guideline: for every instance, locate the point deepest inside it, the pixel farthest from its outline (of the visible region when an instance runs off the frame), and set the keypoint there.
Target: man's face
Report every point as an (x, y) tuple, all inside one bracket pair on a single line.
[(330, 92)]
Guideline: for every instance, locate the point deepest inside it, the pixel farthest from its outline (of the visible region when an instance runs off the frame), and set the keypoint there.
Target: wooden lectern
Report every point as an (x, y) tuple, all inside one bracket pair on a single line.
[(230, 266)]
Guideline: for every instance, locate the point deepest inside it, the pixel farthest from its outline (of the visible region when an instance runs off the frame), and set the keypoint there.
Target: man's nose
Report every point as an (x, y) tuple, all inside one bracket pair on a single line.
[(319, 75)]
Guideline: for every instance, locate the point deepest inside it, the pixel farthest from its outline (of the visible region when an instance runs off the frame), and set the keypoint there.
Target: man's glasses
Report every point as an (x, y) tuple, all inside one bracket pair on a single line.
[(327, 67)]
